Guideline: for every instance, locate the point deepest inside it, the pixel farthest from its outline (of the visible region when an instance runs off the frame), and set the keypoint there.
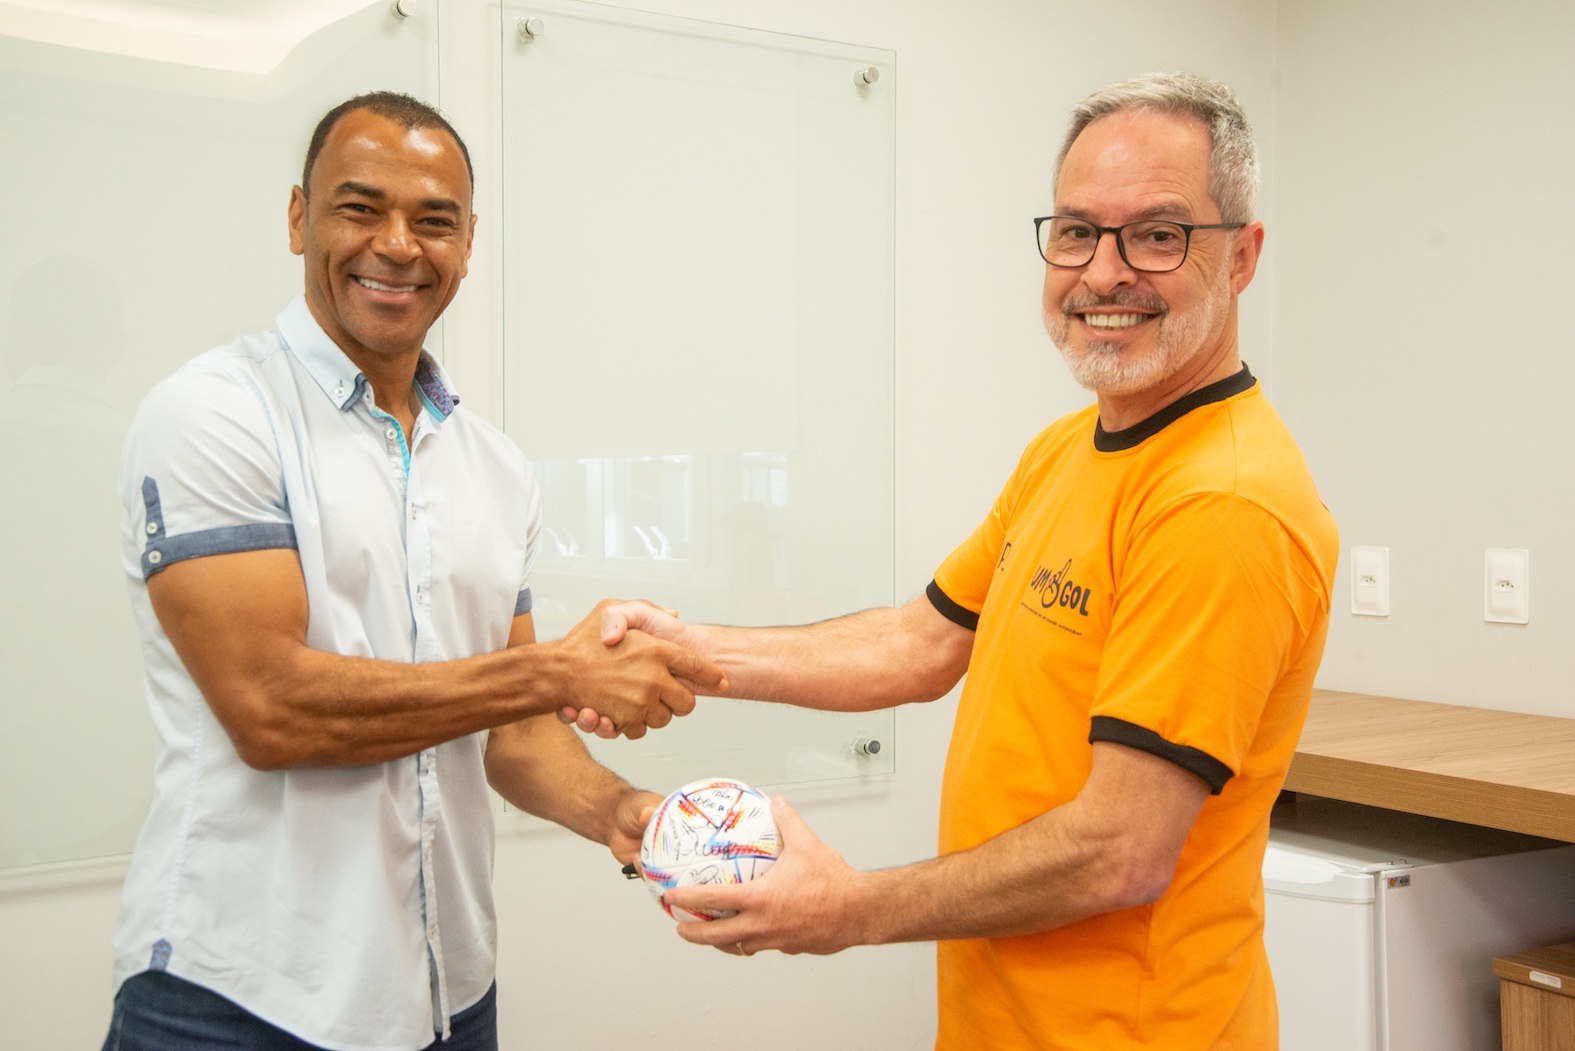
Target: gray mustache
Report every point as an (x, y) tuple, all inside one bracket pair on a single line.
[(1121, 299)]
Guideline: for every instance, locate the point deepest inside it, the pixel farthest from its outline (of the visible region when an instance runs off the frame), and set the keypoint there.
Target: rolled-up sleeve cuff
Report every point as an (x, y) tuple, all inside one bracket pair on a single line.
[(165, 551)]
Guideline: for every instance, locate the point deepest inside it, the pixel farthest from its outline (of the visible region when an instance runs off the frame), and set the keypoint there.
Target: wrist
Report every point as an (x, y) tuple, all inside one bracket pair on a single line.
[(867, 908), (716, 644), (550, 670), (624, 827)]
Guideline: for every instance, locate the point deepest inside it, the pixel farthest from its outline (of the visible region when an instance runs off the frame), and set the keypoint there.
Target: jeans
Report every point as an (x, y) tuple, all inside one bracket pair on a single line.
[(155, 1011)]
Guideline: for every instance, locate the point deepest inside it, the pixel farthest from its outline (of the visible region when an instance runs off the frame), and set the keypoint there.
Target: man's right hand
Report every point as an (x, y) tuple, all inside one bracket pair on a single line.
[(620, 618), (639, 680)]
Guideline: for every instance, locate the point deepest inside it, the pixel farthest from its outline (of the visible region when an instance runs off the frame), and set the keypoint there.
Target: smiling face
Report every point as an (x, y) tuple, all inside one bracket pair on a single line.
[(1129, 334), (385, 232)]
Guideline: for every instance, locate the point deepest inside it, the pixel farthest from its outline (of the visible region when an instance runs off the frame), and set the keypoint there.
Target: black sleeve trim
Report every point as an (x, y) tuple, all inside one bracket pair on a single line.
[(1119, 731), (943, 604)]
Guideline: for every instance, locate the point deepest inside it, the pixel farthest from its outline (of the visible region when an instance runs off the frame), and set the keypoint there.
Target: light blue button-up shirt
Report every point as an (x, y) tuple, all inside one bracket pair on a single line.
[(351, 906)]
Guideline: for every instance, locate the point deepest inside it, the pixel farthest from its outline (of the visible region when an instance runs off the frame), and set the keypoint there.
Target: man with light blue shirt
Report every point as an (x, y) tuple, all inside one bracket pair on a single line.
[(330, 563)]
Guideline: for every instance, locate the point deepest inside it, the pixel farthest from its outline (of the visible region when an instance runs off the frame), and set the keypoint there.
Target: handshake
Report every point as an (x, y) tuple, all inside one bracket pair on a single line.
[(633, 667)]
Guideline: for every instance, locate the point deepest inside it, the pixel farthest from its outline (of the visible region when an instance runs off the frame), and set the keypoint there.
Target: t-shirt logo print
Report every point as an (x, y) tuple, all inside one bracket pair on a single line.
[(1058, 589)]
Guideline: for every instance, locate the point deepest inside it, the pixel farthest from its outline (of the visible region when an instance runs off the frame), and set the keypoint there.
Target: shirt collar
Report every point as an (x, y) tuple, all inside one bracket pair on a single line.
[(337, 375), (1140, 432)]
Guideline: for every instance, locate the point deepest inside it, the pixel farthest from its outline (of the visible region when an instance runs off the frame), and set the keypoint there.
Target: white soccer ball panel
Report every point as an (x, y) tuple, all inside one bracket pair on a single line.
[(715, 831)]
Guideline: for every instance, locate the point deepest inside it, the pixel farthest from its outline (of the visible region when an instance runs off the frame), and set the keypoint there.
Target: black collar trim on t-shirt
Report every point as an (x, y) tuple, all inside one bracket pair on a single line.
[(1135, 435)]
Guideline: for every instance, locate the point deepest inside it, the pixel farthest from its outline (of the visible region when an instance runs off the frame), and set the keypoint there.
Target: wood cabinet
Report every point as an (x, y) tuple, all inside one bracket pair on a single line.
[(1537, 998)]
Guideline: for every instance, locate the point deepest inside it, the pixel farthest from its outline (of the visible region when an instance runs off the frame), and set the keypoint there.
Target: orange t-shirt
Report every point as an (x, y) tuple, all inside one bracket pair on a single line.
[(1165, 587)]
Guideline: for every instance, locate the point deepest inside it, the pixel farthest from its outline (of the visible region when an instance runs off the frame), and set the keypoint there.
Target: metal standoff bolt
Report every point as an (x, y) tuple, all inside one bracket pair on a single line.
[(404, 8), (866, 746), (866, 76), (530, 28)]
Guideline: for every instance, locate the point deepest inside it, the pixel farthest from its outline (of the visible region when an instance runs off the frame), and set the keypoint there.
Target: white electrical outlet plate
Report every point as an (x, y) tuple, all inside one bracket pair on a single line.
[(1370, 581), (1506, 586)]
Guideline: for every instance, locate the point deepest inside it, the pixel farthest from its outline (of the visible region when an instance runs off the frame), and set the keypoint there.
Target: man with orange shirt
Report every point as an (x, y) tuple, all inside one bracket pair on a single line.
[(1140, 617)]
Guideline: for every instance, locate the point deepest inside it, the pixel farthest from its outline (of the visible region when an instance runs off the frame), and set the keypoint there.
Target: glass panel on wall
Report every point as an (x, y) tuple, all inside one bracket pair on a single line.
[(152, 181), (698, 319)]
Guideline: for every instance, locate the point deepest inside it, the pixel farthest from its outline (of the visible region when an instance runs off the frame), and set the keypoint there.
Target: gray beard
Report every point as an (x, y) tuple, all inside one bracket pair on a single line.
[(1100, 368)]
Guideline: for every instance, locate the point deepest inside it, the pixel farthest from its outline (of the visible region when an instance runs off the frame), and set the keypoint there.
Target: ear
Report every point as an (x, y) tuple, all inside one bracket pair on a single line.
[(1247, 247), (297, 220), (470, 243)]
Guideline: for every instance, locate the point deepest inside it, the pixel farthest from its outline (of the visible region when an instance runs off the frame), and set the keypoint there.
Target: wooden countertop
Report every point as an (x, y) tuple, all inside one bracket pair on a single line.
[(1498, 769)]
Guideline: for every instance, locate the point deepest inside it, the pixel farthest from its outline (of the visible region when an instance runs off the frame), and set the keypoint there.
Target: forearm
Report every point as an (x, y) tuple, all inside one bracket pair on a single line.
[(304, 707), (543, 768), (1115, 846), (1036, 877), (875, 659), (239, 624)]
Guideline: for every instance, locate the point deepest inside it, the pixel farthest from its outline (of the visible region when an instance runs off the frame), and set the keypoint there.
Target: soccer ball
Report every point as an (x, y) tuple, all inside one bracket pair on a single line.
[(712, 831)]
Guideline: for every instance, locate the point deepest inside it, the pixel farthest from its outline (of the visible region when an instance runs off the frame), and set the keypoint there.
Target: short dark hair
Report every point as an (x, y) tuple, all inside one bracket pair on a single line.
[(400, 108)]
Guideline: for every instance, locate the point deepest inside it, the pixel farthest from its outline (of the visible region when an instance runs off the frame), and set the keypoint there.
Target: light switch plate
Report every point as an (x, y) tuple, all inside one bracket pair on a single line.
[(1506, 586), (1370, 581)]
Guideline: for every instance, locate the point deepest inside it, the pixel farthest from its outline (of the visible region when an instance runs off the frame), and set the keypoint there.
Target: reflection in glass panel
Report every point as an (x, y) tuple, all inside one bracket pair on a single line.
[(699, 347), (715, 527), (645, 507)]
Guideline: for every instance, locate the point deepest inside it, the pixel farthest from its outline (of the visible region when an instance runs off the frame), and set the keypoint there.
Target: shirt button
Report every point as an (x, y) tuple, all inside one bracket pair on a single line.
[(390, 433), (153, 527), (155, 557)]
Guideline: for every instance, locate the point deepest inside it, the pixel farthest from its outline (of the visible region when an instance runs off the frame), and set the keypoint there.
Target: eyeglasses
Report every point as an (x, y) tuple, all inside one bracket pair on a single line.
[(1155, 246)]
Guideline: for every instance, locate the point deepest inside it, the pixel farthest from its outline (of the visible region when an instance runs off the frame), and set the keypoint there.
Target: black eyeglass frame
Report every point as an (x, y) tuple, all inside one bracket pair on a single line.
[(1121, 241)]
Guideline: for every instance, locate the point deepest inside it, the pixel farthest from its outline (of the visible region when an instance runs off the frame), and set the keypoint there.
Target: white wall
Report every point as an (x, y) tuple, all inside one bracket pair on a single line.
[(587, 961), (1422, 328)]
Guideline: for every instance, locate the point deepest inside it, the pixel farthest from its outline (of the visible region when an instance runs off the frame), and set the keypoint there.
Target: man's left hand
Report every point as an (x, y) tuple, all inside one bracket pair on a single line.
[(806, 903), (628, 826)]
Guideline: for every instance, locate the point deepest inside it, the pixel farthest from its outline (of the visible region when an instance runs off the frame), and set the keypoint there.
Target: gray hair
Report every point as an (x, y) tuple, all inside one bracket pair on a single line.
[(1233, 161)]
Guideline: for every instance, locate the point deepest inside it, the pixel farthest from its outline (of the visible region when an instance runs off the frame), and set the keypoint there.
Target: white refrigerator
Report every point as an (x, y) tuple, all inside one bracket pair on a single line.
[(1381, 927)]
